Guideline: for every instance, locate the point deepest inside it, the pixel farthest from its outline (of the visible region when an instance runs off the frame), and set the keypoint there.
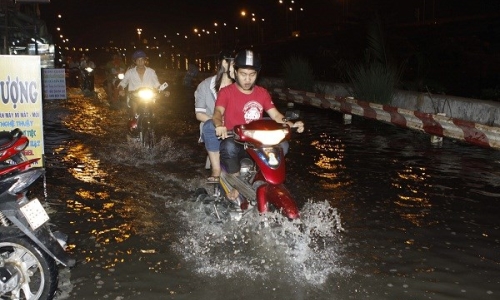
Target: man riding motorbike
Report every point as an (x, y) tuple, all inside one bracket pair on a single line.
[(241, 103), (87, 67), (135, 78)]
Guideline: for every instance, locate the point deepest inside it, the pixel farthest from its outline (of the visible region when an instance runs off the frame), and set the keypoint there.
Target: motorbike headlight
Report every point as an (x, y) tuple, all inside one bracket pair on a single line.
[(146, 95), (121, 76), (89, 69), (267, 137)]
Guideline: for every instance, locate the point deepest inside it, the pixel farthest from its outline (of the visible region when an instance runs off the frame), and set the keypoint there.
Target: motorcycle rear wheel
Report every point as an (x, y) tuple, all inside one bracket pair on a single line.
[(38, 271)]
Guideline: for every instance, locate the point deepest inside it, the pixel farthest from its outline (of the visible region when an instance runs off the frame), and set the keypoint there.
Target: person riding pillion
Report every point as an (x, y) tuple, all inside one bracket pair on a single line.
[(205, 96)]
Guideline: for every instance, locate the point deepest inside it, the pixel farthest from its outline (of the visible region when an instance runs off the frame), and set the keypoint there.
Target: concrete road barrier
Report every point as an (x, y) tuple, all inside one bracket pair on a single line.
[(434, 124)]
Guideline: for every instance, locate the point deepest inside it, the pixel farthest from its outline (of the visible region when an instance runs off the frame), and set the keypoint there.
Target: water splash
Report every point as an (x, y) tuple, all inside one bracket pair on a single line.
[(265, 246), (131, 152)]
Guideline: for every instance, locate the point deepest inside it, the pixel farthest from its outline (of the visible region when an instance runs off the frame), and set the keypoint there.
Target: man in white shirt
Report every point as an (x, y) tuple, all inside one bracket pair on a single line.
[(137, 77)]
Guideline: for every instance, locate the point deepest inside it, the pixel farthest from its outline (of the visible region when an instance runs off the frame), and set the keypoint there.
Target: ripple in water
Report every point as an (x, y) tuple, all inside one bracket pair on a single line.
[(268, 246)]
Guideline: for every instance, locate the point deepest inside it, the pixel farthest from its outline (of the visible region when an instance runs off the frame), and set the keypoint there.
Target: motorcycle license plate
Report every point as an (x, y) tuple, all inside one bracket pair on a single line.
[(34, 212)]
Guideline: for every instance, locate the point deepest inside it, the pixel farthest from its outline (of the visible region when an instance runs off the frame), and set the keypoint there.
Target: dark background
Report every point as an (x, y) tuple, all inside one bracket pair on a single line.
[(443, 46)]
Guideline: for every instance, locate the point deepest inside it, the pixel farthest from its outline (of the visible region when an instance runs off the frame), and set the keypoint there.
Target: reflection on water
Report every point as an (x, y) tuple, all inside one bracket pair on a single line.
[(85, 167), (412, 204), (87, 117), (418, 217)]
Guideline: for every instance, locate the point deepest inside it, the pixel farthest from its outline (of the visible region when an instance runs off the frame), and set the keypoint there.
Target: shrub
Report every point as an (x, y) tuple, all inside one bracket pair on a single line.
[(373, 82), (298, 74), (375, 78)]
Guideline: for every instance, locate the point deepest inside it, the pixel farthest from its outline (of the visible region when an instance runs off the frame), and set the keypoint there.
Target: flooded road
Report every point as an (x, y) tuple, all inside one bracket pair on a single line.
[(420, 222)]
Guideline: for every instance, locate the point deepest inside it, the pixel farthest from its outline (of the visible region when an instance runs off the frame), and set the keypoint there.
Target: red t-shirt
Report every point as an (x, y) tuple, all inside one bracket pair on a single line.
[(243, 108)]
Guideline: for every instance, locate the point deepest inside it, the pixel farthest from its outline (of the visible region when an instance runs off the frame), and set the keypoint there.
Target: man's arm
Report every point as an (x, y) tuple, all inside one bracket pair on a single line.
[(279, 118), (220, 129), (217, 117)]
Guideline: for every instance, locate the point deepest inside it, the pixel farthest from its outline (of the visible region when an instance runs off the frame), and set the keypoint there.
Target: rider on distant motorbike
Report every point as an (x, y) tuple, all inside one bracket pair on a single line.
[(88, 77), (241, 103), (135, 78), (113, 67)]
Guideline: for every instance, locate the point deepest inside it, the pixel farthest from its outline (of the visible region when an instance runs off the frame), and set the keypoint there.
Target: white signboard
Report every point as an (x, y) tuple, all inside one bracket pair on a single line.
[(54, 84), (21, 100)]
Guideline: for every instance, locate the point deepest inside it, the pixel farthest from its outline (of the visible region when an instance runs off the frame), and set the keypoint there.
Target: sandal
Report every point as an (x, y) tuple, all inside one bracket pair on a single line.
[(213, 179)]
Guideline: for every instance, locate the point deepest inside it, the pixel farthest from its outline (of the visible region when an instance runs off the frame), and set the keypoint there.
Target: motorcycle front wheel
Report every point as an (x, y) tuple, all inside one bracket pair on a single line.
[(147, 135), (37, 273), (148, 138)]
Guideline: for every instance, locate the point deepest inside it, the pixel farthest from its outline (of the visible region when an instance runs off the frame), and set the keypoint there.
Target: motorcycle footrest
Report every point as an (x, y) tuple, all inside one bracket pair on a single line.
[(240, 185)]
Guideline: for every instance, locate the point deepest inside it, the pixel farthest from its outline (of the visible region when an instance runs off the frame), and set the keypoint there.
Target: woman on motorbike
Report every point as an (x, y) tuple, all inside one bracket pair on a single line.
[(205, 96), (135, 78)]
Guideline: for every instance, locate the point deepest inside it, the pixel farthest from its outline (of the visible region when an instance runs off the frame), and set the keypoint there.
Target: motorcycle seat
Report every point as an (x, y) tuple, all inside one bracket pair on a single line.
[(6, 140)]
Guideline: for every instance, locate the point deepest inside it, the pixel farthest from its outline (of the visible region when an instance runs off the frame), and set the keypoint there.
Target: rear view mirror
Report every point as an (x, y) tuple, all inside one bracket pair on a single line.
[(292, 114)]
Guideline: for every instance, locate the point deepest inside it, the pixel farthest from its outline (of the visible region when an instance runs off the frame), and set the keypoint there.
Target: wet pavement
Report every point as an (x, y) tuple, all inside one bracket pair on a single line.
[(420, 221)]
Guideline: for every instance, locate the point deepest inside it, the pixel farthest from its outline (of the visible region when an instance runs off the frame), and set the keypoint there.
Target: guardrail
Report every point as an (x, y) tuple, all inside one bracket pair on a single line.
[(434, 124)]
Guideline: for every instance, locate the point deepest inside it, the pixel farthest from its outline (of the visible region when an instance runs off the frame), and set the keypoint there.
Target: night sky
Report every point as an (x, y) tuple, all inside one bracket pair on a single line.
[(98, 21)]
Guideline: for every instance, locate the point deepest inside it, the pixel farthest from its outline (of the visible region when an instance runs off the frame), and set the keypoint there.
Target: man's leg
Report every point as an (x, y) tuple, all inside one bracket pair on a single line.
[(230, 155)]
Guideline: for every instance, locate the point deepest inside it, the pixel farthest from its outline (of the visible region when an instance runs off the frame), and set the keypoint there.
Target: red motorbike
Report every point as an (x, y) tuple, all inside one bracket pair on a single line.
[(261, 180), (12, 145)]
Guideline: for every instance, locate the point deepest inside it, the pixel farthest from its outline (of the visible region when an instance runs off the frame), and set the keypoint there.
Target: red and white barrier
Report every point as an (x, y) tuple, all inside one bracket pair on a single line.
[(434, 124)]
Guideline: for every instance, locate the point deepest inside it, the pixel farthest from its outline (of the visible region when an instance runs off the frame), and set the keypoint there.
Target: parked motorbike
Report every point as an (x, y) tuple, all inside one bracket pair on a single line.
[(29, 250), (144, 123), (12, 145), (261, 178)]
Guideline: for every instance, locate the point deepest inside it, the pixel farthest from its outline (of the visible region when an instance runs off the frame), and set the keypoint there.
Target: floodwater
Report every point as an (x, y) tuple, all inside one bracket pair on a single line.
[(417, 221)]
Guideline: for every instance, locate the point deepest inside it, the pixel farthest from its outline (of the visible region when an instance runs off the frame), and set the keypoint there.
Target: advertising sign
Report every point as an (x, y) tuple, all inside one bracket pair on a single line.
[(21, 100), (54, 84)]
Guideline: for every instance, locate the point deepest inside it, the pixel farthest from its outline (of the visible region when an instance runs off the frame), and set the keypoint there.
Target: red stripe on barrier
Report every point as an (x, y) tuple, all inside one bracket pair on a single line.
[(367, 110), (471, 134), (325, 103), (396, 117), (429, 124)]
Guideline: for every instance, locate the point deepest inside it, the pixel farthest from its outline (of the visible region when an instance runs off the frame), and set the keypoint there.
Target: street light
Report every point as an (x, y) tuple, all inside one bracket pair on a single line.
[(139, 31), (260, 30)]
